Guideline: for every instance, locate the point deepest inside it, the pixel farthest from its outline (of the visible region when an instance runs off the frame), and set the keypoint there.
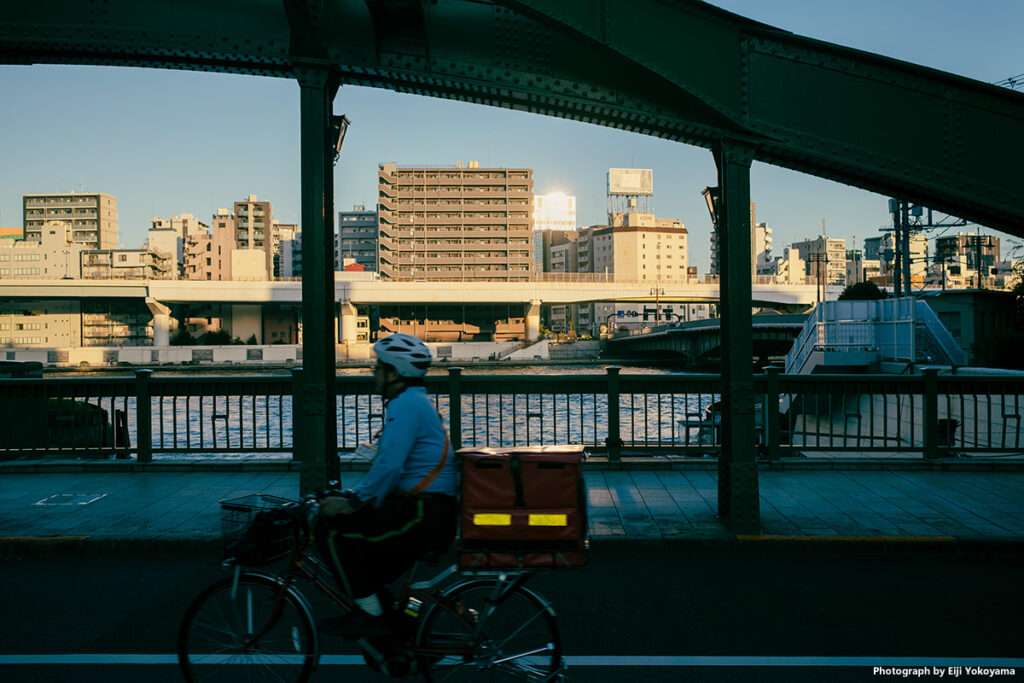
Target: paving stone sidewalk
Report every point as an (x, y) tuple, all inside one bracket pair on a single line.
[(160, 511)]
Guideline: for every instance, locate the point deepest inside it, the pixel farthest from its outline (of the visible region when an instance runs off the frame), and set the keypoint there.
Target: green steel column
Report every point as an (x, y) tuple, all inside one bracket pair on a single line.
[(316, 391), (738, 503), (143, 416), (455, 406), (931, 414)]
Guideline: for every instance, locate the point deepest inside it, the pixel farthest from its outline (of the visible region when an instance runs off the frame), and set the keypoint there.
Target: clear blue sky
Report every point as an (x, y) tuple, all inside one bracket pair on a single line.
[(168, 142)]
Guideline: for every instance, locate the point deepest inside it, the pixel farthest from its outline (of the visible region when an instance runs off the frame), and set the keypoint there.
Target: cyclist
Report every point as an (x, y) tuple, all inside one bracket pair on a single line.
[(405, 506)]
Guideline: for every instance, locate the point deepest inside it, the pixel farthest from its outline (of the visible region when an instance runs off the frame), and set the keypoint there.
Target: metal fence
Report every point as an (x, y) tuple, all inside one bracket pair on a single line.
[(147, 417)]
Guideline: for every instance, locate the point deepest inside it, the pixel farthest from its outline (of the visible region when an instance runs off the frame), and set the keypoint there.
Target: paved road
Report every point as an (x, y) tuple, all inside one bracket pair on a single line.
[(658, 617)]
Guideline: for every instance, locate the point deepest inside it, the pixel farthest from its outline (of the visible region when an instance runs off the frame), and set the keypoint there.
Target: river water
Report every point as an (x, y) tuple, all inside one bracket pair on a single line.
[(250, 426)]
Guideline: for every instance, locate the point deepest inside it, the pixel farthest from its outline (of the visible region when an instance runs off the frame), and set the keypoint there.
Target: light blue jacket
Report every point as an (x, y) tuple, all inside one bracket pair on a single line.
[(409, 448)]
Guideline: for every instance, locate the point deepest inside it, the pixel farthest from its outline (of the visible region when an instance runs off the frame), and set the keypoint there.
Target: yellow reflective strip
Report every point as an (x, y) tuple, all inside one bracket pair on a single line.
[(492, 520), (548, 520)]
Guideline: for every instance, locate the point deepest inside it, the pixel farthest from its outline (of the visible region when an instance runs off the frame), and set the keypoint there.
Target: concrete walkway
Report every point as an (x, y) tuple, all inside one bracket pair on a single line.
[(827, 510)]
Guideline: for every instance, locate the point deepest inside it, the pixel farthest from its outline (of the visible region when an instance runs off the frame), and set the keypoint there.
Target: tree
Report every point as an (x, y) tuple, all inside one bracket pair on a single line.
[(251, 340), (183, 338), (216, 338), (862, 291)]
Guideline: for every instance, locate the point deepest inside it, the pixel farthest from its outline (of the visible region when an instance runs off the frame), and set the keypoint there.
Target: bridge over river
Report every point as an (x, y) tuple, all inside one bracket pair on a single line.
[(732, 85), (773, 335)]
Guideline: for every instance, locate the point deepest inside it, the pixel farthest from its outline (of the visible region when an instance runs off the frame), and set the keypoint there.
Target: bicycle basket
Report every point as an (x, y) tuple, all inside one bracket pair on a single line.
[(254, 530)]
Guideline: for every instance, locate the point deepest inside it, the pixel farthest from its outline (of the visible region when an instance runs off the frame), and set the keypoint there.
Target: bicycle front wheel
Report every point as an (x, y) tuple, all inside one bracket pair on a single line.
[(482, 631), (249, 631)]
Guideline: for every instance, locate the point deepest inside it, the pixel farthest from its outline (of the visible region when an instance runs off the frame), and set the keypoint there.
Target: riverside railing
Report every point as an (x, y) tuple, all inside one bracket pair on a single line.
[(149, 417)]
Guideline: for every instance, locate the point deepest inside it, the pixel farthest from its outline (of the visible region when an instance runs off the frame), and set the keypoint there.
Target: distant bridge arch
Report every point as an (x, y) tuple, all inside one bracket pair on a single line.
[(772, 335)]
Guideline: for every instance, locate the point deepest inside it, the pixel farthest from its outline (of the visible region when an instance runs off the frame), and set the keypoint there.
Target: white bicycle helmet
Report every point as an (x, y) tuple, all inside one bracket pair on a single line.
[(404, 352)]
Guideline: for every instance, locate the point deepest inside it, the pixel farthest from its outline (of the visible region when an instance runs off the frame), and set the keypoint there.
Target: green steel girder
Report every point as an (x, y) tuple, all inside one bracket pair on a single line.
[(677, 69)]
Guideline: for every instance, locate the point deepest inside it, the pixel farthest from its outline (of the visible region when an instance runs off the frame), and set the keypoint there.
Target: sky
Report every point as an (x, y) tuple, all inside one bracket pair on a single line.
[(173, 142)]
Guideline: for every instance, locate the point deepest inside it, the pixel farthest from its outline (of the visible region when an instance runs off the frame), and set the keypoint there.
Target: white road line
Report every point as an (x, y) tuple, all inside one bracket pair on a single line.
[(577, 660)]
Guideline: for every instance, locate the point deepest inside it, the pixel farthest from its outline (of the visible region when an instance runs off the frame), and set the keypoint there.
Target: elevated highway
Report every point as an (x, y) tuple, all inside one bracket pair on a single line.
[(160, 295), (364, 292)]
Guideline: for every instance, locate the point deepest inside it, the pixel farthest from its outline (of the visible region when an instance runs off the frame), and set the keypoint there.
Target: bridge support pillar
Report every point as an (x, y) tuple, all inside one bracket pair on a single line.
[(533, 320), (348, 323), (161, 322), (738, 491), (316, 435)]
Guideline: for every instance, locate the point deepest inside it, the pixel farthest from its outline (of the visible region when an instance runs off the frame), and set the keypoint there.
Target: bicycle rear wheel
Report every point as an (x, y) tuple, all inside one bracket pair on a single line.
[(469, 639), (215, 640)]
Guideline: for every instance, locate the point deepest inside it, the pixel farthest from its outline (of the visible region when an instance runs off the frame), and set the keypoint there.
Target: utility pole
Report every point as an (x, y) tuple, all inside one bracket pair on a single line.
[(977, 257)]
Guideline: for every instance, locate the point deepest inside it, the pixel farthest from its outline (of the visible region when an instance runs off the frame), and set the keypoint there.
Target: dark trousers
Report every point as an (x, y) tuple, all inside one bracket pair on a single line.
[(373, 546)]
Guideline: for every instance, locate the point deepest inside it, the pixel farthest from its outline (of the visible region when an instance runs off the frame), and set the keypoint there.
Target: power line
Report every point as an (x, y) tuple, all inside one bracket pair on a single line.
[(1013, 82)]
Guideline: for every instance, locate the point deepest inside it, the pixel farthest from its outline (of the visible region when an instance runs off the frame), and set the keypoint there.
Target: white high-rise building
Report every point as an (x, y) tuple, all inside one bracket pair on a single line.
[(554, 211)]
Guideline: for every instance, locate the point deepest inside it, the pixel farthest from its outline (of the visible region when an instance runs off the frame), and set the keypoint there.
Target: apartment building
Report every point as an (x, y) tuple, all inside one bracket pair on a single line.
[(208, 251), (291, 256), (825, 259), (455, 223), (756, 244), (283, 233), (92, 217), (254, 226), (640, 247), (882, 250), (51, 255), (172, 234), (26, 323), (356, 238), (961, 255), (127, 264)]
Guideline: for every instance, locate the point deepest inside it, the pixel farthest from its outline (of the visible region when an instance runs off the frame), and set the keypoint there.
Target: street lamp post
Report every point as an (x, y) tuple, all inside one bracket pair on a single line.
[(656, 292)]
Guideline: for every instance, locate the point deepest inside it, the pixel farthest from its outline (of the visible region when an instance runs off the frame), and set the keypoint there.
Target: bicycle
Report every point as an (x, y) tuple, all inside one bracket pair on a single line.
[(459, 625)]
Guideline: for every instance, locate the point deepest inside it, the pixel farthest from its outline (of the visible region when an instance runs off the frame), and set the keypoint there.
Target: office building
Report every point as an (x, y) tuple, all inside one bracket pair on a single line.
[(455, 223), (356, 238), (92, 217)]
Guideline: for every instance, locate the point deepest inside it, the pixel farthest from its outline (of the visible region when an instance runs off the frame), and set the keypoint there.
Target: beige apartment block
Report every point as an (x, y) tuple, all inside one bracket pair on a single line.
[(249, 264), (639, 247), (254, 230), (26, 323), (92, 217), (127, 264), (51, 256), (208, 252), (455, 223)]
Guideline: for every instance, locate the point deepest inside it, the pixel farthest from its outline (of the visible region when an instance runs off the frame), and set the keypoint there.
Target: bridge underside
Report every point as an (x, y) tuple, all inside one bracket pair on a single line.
[(699, 74), (680, 70)]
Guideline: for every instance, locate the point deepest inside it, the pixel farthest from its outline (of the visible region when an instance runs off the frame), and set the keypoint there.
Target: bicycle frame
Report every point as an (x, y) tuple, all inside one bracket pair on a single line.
[(303, 564)]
